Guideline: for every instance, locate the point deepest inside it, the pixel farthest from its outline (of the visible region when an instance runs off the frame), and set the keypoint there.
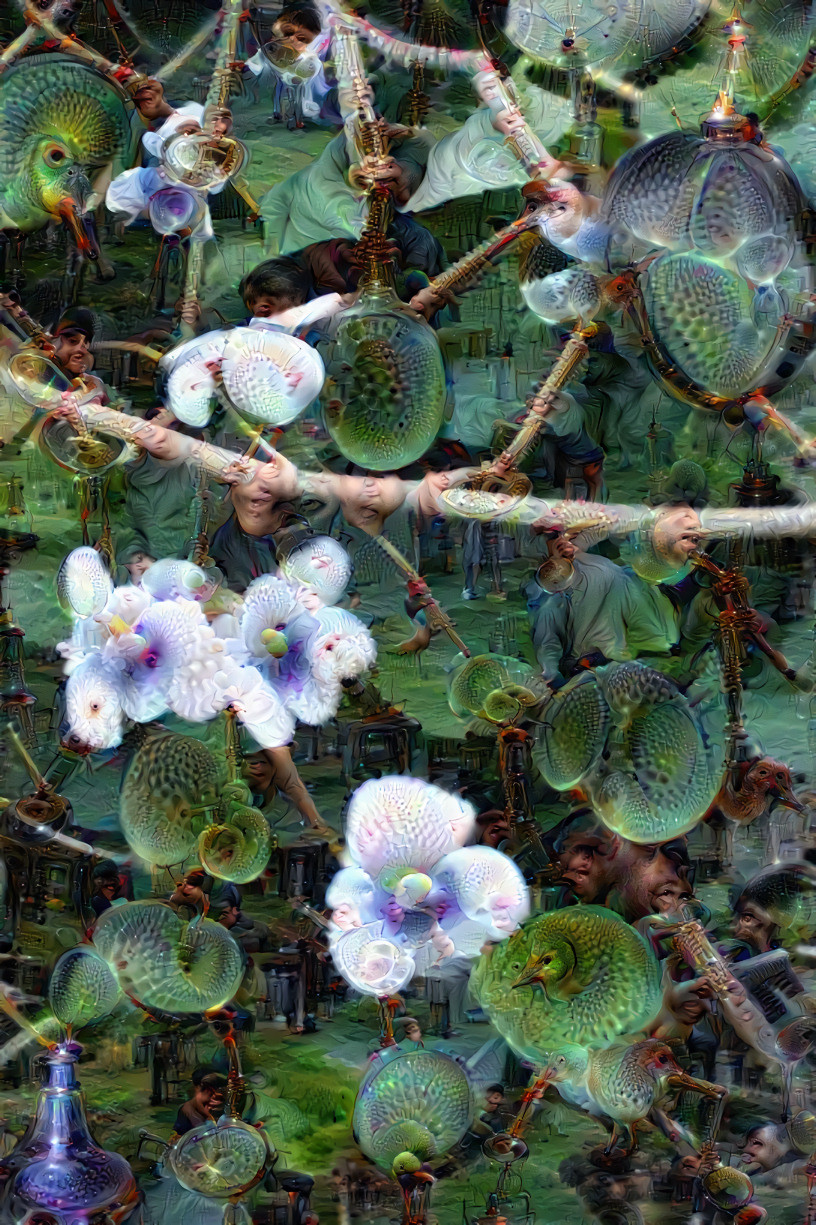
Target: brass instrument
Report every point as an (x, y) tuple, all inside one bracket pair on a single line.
[(472, 264), (192, 280), (418, 101), (369, 138), (737, 624), (436, 616), (41, 384), (217, 461), (499, 94), (200, 553), (502, 476), (205, 161), (556, 574), (690, 940), (371, 145)]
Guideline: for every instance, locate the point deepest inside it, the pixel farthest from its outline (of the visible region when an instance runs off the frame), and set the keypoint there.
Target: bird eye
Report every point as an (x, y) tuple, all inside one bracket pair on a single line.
[(96, 707), (54, 156), (662, 1059)]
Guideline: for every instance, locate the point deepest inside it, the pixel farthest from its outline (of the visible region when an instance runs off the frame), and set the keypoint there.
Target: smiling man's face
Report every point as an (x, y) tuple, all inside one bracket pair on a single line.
[(651, 881)]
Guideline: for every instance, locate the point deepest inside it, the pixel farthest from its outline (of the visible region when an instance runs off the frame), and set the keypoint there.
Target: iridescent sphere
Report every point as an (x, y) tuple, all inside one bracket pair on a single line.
[(220, 1158), (385, 395)]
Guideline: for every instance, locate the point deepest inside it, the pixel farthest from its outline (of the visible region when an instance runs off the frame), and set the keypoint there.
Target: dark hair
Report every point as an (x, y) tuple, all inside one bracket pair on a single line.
[(213, 1080), (494, 1089), (198, 1075), (303, 15), (274, 278)]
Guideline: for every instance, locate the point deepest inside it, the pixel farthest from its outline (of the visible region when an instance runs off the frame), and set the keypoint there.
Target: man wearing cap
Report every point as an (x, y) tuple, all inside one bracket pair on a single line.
[(72, 336)]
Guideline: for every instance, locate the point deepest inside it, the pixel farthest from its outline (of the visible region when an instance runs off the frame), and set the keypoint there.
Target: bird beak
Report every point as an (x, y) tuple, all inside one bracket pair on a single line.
[(785, 796), (423, 1176), (682, 1080), (68, 213), (529, 975)]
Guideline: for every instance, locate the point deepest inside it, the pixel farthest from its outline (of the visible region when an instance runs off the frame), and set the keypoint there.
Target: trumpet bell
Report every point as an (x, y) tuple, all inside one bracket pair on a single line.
[(202, 161), (91, 454), (556, 574), (173, 209), (37, 379)]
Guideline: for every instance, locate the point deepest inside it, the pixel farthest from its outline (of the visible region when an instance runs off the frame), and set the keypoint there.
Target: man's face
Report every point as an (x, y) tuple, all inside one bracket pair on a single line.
[(762, 1150), (586, 862), (346, 916), (209, 1099), (753, 927), (293, 34), (493, 1100), (138, 564), (268, 305), (650, 881), (150, 100), (677, 534), (73, 353), (368, 500), (413, 1033), (255, 501), (159, 439), (221, 125)]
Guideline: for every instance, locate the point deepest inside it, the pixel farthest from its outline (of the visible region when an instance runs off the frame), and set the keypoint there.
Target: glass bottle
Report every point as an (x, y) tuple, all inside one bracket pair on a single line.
[(57, 1169)]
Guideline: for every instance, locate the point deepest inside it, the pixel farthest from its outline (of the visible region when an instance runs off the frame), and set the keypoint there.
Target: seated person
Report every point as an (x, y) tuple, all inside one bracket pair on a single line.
[(106, 887), (496, 1113), (191, 895), (205, 1102)]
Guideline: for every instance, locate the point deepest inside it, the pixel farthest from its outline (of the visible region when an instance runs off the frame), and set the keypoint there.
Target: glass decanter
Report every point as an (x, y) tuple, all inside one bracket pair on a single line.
[(57, 1170)]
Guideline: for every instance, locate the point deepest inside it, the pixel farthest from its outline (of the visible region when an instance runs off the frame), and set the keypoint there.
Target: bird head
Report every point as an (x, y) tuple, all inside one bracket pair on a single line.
[(657, 1059), (548, 967), (568, 1063), (774, 779), (408, 1165)]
